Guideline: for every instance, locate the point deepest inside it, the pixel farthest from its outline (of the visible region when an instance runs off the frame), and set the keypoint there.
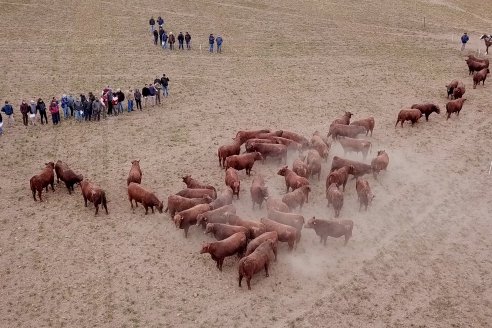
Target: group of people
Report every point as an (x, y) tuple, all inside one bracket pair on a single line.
[(162, 38), (90, 107)]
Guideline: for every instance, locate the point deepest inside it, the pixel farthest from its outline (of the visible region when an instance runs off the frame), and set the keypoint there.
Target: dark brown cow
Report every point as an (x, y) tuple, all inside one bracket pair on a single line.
[(276, 204), (224, 198), (258, 191), (228, 150), (351, 131), (331, 228), (335, 198), (69, 177), (480, 76), (291, 219), (222, 231), (270, 150), (195, 184), (295, 137), (197, 193), (297, 197), (232, 181), (185, 219), (43, 180), (345, 119), (215, 216), (359, 168), (475, 66), (254, 227), (59, 168), (412, 115), (255, 262), (243, 161), (427, 109), (480, 60), (135, 174), (243, 136), (177, 203), (379, 163), (355, 145), (219, 250), (459, 91), (339, 176), (450, 87), (367, 123), (364, 193), (285, 232), (94, 194), (313, 161), (454, 106), (292, 180), (253, 244), (141, 195)]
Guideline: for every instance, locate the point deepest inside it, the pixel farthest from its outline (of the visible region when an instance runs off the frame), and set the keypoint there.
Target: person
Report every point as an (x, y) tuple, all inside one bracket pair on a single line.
[(165, 85), (152, 23), (109, 99), (219, 43), (70, 104), (55, 111), (156, 36), (145, 94), (181, 40), (188, 40), (160, 21), (41, 107), (171, 39), (64, 106), (121, 98), (138, 98), (152, 94), (161, 33), (33, 111), (158, 87), (115, 104), (164, 40), (1, 124), (24, 109), (9, 111), (130, 97), (97, 108), (464, 40), (79, 110), (211, 41)]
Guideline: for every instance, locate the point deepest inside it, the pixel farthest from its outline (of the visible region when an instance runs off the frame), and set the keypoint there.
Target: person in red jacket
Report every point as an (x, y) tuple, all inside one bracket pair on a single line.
[(25, 109), (55, 111)]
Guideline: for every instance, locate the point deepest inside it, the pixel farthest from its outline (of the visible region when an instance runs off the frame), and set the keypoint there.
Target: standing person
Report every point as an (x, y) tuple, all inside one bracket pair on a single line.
[(152, 94), (171, 39), (188, 40), (211, 41), (109, 99), (121, 99), (79, 110), (24, 109), (64, 106), (181, 40), (165, 85), (219, 43), (9, 111), (33, 111), (161, 33), (156, 36), (85, 108), (70, 104), (145, 94), (41, 107), (115, 104), (160, 21), (164, 40), (130, 97), (464, 40), (55, 111), (152, 23), (1, 124), (158, 87), (138, 99), (97, 107)]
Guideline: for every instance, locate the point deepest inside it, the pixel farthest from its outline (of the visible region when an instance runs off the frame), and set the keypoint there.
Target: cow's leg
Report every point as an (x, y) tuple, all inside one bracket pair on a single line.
[(146, 209), (152, 208), (240, 279), (40, 191), (97, 209), (34, 194), (266, 270), (52, 183), (85, 200)]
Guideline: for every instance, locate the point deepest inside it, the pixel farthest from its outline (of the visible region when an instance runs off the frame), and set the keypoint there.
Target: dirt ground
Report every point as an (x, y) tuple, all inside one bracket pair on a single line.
[(419, 257)]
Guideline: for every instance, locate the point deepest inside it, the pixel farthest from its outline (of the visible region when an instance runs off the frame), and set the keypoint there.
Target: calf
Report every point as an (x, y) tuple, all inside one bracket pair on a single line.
[(243, 136), (255, 262), (254, 227), (195, 184), (197, 193), (228, 150), (222, 231), (412, 115), (141, 195), (367, 123), (364, 193), (313, 161), (270, 150), (450, 87), (351, 131), (339, 176), (69, 177), (454, 106), (359, 168), (300, 168), (277, 204), (335, 198), (320, 146), (329, 228), (243, 162), (177, 203), (290, 219), (225, 198), (43, 180), (297, 197), (285, 233), (295, 137), (459, 91), (185, 219), (135, 174), (292, 180), (480, 76), (355, 145), (215, 216), (379, 163), (94, 194), (427, 109), (232, 181), (258, 191), (219, 250), (253, 244)]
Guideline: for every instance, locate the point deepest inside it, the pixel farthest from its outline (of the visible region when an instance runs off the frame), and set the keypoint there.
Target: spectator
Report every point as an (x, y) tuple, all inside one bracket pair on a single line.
[(115, 104), (164, 40), (188, 40), (219, 43), (160, 21), (152, 94), (103, 101), (138, 99), (9, 111), (130, 97), (464, 40), (109, 99), (79, 110), (121, 98), (70, 104), (1, 124), (156, 36), (152, 23), (97, 108), (171, 39), (145, 94), (41, 107), (181, 40), (158, 87), (55, 111), (24, 109), (33, 111), (64, 106), (165, 85), (211, 41), (85, 108), (161, 33)]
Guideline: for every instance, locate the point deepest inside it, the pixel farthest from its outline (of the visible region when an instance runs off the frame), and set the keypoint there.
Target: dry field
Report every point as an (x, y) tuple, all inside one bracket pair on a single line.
[(420, 257)]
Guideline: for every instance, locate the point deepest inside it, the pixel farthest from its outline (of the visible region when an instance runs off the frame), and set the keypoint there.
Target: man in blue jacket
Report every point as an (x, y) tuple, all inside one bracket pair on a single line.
[(219, 43), (211, 41), (464, 40), (9, 111)]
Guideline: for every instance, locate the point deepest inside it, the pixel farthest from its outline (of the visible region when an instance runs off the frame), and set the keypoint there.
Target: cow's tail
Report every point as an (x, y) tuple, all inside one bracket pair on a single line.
[(104, 201)]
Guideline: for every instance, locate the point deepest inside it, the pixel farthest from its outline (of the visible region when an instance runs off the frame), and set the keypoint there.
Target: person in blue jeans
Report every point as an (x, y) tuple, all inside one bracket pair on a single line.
[(164, 40), (211, 41), (219, 43), (65, 107), (464, 40), (9, 111)]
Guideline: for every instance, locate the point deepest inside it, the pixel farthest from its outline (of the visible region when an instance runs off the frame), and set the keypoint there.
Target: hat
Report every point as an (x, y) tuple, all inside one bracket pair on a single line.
[(170, 32)]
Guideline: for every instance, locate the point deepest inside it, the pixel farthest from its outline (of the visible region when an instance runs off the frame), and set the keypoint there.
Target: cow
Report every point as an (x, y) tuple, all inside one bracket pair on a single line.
[(243, 161), (224, 198), (258, 191), (43, 180), (293, 220), (250, 142), (69, 177), (379, 163), (269, 150), (355, 145), (141, 195), (135, 174), (367, 123), (339, 176), (195, 184), (351, 131), (285, 233), (222, 231), (291, 144), (255, 262), (276, 204), (480, 76), (427, 109), (177, 203), (228, 150), (215, 216), (232, 181), (345, 119), (459, 91), (243, 136), (412, 115), (185, 219), (94, 194), (295, 137), (300, 168), (197, 193), (335, 198), (292, 180), (450, 87), (313, 162), (254, 227), (320, 146), (331, 228), (475, 66), (59, 168), (364, 193), (454, 106), (219, 250), (253, 244), (359, 168), (297, 197)]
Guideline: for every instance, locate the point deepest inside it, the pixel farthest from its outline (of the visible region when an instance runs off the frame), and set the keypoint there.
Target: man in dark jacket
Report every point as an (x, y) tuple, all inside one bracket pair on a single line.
[(145, 94), (138, 99), (188, 40), (25, 109), (464, 40), (156, 36), (181, 40), (211, 41), (151, 23), (121, 99), (161, 33), (152, 94), (219, 43), (1, 124), (9, 111), (160, 21), (41, 107), (165, 85)]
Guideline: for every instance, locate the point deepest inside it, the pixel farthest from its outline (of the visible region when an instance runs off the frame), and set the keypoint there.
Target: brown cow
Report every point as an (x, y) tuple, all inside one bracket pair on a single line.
[(276, 204), (412, 115), (254, 227), (215, 216), (195, 184), (232, 181), (330, 228), (297, 197), (255, 262), (135, 174), (335, 198), (480, 60), (293, 220), (177, 203), (300, 168), (228, 150), (141, 195), (187, 218), (459, 91), (454, 106), (94, 194), (450, 87), (270, 150), (292, 180), (339, 176), (295, 137), (313, 161), (285, 232), (269, 135), (197, 193), (359, 168), (367, 123), (291, 144), (480, 76), (258, 191), (59, 168), (222, 231), (351, 131), (379, 163), (224, 198), (249, 142), (345, 119), (364, 193), (218, 250), (475, 66), (427, 109), (43, 180), (242, 136), (320, 146), (253, 244), (355, 145), (243, 161), (69, 177)]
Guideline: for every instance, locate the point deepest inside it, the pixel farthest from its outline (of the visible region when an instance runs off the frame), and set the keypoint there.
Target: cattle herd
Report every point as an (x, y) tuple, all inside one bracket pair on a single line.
[(255, 241)]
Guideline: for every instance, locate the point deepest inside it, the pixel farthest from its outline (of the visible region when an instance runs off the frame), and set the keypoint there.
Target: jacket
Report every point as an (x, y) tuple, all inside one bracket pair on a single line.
[(464, 38), (24, 108), (145, 92), (211, 39), (129, 95), (137, 95), (151, 21), (96, 106), (54, 108), (151, 90), (121, 96), (187, 37), (33, 108), (8, 109), (160, 21), (41, 106), (180, 37), (164, 81), (78, 106), (219, 40)]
